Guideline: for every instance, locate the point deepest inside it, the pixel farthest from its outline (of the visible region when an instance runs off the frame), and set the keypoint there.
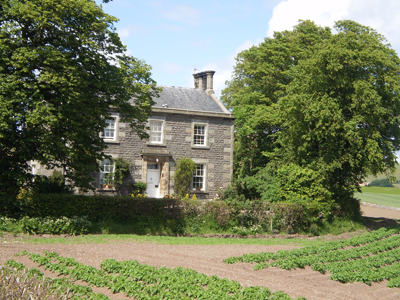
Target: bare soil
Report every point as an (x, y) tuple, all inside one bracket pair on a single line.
[(209, 260)]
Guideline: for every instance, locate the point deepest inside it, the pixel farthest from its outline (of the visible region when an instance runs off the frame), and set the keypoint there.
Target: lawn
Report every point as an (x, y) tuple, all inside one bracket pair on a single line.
[(380, 196)]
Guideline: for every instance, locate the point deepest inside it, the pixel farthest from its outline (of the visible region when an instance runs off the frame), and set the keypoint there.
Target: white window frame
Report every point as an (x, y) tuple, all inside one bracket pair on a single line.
[(156, 137), (112, 127), (107, 167), (199, 177), (197, 136)]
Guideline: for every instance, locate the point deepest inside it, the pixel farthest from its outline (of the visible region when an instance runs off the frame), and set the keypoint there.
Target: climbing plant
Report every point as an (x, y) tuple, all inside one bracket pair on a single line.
[(121, 171)]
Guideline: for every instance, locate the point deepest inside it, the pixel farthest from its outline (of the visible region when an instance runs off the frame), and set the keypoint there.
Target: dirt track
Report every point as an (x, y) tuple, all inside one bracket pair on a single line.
[(209, 260)]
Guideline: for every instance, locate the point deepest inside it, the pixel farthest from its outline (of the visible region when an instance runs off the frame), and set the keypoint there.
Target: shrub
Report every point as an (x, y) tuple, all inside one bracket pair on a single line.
[(385, 182), (55, 184), (250, 213), (183, 176), (252, 230), (288, 217), (97, 207), (48, 225), (261, 186), (9, 225), (306, 187), (140, 187), (121, 171), (218, 210)]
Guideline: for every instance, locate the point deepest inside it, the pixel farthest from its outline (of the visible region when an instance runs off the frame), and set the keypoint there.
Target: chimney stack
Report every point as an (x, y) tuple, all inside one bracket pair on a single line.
[(204, 80)]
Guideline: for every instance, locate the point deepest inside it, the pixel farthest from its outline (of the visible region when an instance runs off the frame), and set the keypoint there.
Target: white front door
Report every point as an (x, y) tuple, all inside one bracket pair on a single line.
[(153, 180)]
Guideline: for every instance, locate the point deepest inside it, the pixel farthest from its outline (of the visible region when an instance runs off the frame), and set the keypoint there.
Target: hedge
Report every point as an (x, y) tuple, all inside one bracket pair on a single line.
[(98, 208)]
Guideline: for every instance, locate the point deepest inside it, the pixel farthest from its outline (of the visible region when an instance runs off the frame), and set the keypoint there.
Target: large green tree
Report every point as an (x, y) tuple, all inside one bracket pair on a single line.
[(322, 101), (259, 80), (62, 68)]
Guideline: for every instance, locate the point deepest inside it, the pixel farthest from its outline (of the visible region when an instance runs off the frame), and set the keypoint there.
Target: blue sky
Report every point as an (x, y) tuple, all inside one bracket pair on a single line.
[(175, 37)]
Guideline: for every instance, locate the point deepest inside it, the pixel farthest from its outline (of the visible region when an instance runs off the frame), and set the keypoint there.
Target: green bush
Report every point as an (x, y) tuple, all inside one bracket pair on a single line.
[(183, 176), (218, 210), (55, 184), (120, 173), (9, 225), (306, 187), (140, 187), (288, 217), (98, 207), (385, 182), (47, 225), (261, 186)]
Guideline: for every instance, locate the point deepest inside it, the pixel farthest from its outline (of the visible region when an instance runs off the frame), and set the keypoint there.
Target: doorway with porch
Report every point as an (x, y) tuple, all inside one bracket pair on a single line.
[(153, 180)]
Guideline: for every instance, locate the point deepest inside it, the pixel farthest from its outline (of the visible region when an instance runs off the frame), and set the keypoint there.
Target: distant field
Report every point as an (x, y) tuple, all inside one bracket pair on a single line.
[(380, 196), (380, 190)]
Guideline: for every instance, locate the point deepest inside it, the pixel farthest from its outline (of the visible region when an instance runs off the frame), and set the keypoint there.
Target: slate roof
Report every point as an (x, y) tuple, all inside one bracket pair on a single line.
[(186, 98)]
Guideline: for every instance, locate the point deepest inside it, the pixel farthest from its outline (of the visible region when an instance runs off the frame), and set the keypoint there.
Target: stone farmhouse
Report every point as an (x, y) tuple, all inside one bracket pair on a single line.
[(185, 122)]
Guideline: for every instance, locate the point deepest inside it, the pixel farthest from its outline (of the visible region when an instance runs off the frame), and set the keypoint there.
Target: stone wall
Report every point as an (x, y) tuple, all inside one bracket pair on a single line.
[(177, 143)]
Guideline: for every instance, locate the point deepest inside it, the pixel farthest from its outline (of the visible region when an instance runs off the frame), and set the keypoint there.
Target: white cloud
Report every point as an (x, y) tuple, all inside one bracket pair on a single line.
[(183, 13), (384, 17), (287, 13), (129, 30)]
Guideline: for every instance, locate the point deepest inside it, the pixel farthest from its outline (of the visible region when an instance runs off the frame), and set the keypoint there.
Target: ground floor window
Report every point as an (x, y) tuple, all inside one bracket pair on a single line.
[(199, 178), (107, 168)]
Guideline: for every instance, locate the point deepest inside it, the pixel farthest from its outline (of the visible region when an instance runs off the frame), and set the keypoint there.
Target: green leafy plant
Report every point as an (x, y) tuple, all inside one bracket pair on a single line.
[(372, 257), (148, 282), (139, 187), (120, 173), (54, 184), (183, 176), (64, 225)]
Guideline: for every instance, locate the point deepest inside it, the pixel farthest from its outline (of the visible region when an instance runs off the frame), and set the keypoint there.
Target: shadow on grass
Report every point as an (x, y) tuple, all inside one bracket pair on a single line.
[(376, 223)]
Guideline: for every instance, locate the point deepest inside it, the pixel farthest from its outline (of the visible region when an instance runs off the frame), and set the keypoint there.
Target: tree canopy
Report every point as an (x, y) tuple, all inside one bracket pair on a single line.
[(62, 69), (325, 102)]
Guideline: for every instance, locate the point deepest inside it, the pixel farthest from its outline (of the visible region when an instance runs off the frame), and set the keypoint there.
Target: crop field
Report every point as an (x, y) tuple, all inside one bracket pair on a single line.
[(373, 257), (360, 265), (141, 281)]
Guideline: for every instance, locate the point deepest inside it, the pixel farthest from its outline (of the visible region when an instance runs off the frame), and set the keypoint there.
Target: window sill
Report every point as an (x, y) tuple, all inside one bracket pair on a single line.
[(106, 190), (155, 145), (110, 141), (201, 147)]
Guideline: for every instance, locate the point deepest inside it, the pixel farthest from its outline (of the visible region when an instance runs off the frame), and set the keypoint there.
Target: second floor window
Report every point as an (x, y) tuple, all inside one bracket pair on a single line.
[(199, 136), (156, 131), (109, 130)]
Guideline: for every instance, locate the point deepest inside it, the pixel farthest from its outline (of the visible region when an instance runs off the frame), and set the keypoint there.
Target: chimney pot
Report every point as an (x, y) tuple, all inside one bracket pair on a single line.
[(204, 80)]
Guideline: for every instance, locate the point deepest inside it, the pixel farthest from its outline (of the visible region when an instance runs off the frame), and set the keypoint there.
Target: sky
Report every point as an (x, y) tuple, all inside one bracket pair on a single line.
[(177, 37)]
